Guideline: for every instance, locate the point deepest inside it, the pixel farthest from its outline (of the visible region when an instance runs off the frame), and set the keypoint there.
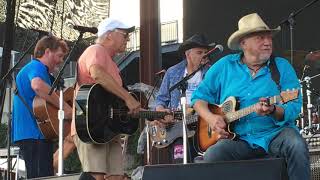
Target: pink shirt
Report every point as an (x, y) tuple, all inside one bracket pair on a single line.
[(94, 55)]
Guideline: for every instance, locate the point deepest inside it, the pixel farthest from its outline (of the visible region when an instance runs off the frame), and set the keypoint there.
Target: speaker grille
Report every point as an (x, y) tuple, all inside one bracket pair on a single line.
[(315, 164)]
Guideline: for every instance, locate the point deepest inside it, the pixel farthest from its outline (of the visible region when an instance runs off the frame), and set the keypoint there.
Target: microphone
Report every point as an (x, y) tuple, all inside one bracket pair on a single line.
[(217, 49), (92, 30), (161, 73)]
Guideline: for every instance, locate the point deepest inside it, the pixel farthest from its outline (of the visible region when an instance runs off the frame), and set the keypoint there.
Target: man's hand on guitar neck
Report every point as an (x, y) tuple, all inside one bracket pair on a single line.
[(133, 105), (168, 118), (263, 108)]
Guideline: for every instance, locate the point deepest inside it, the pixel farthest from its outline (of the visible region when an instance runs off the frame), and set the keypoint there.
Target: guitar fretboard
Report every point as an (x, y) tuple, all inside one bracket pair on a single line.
[(233, 116), (191, 118), (153, 114)]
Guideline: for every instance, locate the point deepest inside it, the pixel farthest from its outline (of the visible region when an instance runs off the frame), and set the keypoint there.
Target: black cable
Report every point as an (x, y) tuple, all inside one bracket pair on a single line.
[(62, 18), (152, 91), (54, 14), (17, 14)]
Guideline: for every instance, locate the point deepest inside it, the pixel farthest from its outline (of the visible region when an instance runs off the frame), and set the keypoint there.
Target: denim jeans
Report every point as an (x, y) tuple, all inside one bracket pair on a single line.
[(38, 157), (288, 144)]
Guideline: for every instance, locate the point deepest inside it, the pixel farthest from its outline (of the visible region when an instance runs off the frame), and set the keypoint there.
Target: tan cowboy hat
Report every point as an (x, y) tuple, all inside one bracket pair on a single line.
[(248, 24)]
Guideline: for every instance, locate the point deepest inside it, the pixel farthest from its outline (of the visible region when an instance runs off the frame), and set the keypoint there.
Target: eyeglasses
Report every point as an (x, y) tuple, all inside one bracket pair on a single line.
[(125, 35)]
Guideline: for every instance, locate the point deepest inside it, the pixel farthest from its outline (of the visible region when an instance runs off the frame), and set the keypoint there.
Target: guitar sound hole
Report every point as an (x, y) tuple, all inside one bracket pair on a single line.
[(227, 106)]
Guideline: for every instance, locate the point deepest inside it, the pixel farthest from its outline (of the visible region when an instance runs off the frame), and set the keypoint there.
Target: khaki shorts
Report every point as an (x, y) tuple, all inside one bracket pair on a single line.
[(100, 158)]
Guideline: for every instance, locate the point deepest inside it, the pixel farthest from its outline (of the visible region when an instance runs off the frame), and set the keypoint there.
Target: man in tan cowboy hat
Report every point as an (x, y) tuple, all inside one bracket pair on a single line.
[(193, 49), (270, 129)]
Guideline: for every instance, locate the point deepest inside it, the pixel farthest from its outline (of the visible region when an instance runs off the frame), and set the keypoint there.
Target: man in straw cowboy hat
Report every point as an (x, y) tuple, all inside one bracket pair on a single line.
[(270, 130), (193, 49)]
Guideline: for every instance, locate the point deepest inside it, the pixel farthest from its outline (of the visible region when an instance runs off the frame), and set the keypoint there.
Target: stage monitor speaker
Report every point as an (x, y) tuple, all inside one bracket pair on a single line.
[(262, 169), (315, 163), (63, 177)]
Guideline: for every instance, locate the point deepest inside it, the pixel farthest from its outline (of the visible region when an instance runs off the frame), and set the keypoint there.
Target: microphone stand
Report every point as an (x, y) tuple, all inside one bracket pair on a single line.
[(59, 83), (147, 124), (182, 86), (8, 78), (291, 21)]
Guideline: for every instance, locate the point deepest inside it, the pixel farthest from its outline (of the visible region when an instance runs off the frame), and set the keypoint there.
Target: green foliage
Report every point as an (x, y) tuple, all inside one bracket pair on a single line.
[(72, 163), (132, 152)]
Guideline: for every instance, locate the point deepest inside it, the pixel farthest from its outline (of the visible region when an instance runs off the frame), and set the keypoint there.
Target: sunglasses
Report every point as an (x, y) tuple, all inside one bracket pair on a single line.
[(125, 35)]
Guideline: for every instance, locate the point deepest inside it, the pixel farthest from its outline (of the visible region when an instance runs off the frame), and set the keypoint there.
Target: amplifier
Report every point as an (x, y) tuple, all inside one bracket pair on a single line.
[(313, 142)]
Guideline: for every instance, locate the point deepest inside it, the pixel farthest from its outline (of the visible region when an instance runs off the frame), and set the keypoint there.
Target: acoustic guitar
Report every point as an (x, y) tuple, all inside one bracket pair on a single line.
[(47, 115), (102, 116), (207, 137)]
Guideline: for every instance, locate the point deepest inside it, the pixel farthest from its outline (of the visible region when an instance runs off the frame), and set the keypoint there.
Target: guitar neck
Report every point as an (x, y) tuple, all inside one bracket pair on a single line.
[(153, 114), (233, 116), (191, 118)]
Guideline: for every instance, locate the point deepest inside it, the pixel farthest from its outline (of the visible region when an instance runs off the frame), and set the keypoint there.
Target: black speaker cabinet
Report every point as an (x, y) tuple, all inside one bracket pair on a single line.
[(262, 169)]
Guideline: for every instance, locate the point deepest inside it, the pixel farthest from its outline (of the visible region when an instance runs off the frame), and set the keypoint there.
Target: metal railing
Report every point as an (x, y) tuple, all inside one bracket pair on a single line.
[(169, 35)]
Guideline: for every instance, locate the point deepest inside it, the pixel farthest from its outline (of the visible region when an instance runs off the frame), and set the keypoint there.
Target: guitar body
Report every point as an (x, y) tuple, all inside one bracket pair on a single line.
[(229, 109), (103, 115), (162, 137), (206, 137), (47, 115)]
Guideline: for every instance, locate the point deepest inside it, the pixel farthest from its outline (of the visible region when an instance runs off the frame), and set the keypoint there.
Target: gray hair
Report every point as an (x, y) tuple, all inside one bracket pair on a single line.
[(102, 38), (187, 52)]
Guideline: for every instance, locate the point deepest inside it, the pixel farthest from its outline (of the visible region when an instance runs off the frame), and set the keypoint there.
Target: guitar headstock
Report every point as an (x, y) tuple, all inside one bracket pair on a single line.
[(287, 96)]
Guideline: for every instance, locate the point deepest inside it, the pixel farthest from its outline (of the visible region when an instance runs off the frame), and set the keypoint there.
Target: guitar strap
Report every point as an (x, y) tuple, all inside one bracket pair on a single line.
[(16, 92), (275, 74)]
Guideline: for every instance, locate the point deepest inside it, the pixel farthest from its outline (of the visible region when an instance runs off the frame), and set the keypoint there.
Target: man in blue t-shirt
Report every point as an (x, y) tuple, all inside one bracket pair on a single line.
[(34, 79), (270, 129)]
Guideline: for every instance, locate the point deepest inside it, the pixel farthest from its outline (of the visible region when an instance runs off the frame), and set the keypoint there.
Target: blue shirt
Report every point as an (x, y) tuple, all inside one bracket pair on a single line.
[(230, 77), (173, 75), (24, 126)]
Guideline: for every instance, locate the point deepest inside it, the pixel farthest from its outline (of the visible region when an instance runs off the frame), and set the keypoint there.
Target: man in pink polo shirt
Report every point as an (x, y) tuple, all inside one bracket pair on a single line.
[(95, 65)]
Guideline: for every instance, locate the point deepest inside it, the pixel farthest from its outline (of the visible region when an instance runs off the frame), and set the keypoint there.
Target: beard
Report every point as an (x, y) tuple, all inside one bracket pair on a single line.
[(264, 58)]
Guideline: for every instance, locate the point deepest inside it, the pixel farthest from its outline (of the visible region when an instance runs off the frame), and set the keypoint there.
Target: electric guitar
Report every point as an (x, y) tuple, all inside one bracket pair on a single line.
[(47, 115), (207, 137), (102, 116), (163, 136)]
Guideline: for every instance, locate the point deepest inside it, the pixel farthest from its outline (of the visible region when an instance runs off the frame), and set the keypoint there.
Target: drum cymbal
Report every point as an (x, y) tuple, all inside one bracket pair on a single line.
[(313, 56), (298, 55), (298, 58)]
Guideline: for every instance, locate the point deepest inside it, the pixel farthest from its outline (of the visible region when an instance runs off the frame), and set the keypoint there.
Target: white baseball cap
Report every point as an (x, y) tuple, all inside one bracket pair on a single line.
[(111, 24)]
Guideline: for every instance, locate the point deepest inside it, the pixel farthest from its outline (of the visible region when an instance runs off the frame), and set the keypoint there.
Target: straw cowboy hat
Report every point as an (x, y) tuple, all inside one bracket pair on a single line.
[(248, 24), (195, 41)]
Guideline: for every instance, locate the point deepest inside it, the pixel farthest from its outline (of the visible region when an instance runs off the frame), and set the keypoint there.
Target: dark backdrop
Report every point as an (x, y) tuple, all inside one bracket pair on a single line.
[(219, 19)]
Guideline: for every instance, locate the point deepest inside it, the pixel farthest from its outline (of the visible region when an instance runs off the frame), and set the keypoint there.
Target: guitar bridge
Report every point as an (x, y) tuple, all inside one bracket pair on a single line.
[(209, 132), (111, 113)]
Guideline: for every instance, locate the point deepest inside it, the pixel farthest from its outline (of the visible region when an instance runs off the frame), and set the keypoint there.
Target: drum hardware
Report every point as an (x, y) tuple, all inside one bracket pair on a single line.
[(312, 111), (312, 115)]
